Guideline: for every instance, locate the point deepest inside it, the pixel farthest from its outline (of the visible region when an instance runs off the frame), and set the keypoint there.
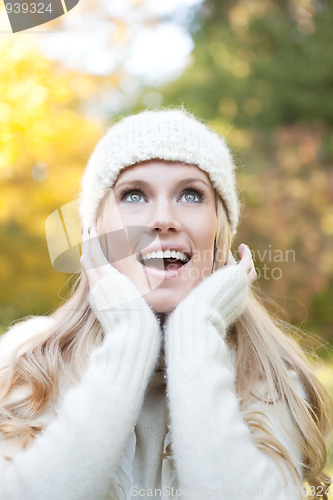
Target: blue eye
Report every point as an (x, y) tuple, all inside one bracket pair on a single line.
[(191, 194), (134, 196)]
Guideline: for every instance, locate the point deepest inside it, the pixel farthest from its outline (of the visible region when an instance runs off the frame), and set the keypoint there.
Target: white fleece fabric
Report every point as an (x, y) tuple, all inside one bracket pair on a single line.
[(113, 426)]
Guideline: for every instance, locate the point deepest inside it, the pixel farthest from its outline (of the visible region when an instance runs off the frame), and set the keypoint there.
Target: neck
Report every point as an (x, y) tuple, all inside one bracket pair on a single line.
[(162, 317)]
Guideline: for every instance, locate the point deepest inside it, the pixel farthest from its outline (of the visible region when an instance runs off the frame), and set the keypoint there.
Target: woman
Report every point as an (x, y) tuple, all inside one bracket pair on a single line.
[(162, 375)]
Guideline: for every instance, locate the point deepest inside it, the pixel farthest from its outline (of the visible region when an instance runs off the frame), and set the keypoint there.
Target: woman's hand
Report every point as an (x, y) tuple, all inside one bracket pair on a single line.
[(222, 296), (246, 262), (97, 269), (93, 261), (113, 296)]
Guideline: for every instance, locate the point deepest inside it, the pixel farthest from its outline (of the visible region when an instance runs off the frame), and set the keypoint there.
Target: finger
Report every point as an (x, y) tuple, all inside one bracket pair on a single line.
[(243, 250), (246, 257), (92, 253)]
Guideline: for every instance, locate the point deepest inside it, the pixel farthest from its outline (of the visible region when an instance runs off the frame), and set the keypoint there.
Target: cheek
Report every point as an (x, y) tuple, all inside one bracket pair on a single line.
[(203, 239), (114, 227), (113, 220)]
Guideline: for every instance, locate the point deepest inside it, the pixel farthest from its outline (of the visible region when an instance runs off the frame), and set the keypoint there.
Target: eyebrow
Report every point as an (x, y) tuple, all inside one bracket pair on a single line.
[(183, 180)]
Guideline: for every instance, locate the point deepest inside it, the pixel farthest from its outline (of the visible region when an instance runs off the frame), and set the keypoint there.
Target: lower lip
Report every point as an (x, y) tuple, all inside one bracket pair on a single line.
[(166, 274)]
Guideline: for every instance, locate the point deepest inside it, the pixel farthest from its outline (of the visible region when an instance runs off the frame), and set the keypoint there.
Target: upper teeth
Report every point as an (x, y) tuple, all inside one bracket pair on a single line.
[(167, 254)]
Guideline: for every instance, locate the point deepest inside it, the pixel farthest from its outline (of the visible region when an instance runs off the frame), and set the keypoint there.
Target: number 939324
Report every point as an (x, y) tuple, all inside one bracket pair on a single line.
[(25, 8)]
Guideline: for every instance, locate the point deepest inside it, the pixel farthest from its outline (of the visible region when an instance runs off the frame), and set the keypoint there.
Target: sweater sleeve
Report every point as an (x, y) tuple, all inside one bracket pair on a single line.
[(214, 453), (77, 454)]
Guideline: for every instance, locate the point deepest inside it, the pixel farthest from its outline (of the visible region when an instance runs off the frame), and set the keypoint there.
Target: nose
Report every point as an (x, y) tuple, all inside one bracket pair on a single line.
[(164, 217)]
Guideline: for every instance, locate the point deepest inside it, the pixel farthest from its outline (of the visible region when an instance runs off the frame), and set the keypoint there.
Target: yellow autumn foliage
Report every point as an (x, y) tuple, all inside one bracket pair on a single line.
[(44, 138)]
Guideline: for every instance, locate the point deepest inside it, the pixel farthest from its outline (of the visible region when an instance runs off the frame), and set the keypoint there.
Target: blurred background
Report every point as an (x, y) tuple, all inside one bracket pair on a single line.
[(261, 71)]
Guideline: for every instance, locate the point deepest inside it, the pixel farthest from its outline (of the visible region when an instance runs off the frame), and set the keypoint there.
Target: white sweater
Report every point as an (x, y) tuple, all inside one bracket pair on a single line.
[(113, 426)]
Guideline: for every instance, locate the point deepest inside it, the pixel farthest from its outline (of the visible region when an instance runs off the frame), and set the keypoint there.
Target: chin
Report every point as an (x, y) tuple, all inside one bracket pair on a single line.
[(162, 302)]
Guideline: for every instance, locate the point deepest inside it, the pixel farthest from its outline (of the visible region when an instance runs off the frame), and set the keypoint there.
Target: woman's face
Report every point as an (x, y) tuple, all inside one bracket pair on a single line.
[(172, 206)]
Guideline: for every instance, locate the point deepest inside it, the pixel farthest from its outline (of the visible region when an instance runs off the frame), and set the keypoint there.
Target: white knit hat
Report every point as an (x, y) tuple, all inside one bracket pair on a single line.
[(168, 134)]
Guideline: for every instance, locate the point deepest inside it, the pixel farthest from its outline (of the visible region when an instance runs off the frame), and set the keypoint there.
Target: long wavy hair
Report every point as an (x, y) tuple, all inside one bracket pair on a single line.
[(265, 349)]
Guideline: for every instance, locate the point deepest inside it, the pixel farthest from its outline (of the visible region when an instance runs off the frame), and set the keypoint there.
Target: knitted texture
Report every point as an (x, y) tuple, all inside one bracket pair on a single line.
[(171, 135), (89, 438), (93, 420), (214, 452)]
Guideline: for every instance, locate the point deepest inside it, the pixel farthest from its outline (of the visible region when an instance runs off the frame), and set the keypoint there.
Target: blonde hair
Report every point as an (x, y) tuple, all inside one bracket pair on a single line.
[(263, 352)]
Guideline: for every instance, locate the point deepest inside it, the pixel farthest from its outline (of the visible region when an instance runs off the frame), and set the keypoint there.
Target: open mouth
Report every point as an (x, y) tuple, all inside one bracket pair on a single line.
[(167, 260)]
